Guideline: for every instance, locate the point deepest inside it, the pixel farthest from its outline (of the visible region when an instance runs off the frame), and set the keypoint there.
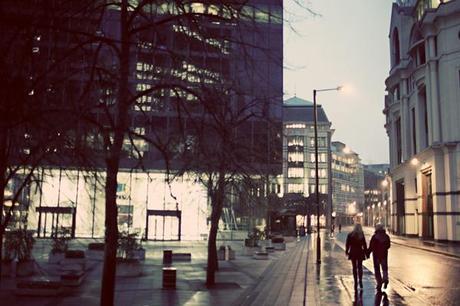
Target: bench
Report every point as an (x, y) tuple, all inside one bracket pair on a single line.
[(74, 260), (260, 255), (72, 278), (95, 251), (181, 256), (281, 246), (38, 286)]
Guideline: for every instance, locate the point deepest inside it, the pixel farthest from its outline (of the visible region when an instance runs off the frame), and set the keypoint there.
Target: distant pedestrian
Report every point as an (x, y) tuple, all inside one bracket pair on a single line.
[(356, 249), (340, 227), (379, 245), (332, 229)]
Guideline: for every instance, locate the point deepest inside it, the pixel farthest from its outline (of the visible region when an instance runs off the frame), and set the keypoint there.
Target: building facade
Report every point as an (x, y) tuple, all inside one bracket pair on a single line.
[(347, 183), (299, 153), (207, 59), (422, 113), (376, 205)]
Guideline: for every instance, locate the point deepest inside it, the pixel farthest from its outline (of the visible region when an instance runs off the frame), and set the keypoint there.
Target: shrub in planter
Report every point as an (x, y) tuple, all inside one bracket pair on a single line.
[(127, 262), (18, 245), (96, 246), (277, 240), (60, 245), (129, 247)]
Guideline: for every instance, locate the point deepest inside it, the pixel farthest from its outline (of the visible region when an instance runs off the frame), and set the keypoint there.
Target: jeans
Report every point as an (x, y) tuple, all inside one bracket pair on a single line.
[(357, 270), (380, 262)]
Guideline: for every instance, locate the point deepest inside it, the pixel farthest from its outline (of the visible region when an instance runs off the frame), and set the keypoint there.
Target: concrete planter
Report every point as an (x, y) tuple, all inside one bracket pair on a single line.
[(74, 260), (25, 268), (139, 254), (279, 246), (6, 267), (95, 251), (94, 255), (72, 278), (129, 268), (248, 251), (38, 287), (260, 255), (55, 258)]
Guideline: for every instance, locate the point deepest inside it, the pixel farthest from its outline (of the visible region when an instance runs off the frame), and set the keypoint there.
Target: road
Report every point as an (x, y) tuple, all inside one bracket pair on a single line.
[(420, 277)]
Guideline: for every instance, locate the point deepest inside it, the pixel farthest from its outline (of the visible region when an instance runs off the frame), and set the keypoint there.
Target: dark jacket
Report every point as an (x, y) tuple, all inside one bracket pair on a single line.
[(356, 247), (379, 245)]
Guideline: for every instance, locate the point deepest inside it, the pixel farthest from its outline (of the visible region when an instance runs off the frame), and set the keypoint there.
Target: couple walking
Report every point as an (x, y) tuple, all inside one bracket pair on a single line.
[(357, 251)]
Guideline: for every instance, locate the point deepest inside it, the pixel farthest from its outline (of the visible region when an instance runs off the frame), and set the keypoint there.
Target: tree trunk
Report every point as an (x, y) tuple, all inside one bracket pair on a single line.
[(112, 161), (217, 203), (111, 236), (3, 167)]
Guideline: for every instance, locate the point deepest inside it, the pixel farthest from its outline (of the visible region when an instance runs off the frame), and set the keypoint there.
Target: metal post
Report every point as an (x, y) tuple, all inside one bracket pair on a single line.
[(318, 238)]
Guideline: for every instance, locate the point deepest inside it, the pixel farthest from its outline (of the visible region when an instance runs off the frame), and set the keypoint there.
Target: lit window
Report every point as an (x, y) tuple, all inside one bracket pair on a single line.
[(295, 188), (295, 172)]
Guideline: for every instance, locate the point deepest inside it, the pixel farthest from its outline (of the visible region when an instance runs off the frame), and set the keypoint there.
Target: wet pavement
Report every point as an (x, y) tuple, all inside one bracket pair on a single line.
[(291, 277), (233, 278), (421, 276)]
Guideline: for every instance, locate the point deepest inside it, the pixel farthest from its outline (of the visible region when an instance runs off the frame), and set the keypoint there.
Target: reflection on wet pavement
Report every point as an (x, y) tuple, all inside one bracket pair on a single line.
[(336, 283)]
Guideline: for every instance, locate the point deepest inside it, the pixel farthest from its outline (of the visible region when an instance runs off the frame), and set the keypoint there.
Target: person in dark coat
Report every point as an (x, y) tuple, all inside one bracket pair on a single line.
[(356, 249), (379, 245)]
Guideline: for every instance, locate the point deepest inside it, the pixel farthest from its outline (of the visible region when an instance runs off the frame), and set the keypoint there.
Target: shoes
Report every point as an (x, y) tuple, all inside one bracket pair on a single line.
[(385, 284)]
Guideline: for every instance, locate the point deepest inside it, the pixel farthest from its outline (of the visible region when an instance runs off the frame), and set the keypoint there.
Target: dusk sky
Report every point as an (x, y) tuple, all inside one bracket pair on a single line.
[(346, 44)]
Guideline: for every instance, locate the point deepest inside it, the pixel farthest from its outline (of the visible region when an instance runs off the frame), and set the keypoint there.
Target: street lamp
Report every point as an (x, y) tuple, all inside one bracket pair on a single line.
[(315, 115)]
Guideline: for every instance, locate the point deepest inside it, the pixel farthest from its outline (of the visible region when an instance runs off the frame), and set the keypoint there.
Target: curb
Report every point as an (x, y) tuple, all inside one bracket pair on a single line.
[(428, 250)]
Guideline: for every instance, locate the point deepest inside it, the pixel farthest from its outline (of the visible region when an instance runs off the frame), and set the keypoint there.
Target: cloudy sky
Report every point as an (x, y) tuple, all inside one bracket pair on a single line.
[(346, 44)]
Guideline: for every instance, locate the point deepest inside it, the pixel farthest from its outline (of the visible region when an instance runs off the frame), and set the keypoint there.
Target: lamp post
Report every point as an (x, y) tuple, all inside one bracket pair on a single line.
[(315, 116)]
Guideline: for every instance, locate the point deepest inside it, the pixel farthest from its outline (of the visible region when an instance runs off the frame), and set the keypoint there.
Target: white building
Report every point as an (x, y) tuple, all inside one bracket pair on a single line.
[(347, 182), (422, 111), (299, 150)]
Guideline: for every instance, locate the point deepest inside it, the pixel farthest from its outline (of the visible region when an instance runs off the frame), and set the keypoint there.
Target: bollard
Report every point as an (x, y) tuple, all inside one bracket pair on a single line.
[(167, 257), (169, 278)]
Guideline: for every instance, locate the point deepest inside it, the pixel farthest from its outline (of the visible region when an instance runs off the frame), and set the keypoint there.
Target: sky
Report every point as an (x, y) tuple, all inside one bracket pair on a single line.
[(345, 44)]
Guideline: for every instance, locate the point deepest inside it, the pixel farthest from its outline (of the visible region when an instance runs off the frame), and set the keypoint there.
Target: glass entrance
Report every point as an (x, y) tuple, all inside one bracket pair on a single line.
[(51, 219), (163, 225)]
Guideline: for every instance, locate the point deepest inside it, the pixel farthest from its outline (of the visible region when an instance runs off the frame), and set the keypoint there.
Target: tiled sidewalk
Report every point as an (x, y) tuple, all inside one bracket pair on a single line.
[(233, 278)]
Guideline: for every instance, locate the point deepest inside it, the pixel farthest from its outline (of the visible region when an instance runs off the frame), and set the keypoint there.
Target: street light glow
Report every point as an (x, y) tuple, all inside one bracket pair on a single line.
[(384, 183), (414, 161)]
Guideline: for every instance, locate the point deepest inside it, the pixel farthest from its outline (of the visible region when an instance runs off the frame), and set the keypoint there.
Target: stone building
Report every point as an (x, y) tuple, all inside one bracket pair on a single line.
[(422, 113)]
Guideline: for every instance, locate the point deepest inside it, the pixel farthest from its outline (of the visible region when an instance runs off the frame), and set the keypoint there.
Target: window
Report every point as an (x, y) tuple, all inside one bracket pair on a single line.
[(321, 188), (295, 140), (322, 157), (396, 56), (295, 188), (321, 142), (295, 157), (295, 172), (398, 141), (321, 172)]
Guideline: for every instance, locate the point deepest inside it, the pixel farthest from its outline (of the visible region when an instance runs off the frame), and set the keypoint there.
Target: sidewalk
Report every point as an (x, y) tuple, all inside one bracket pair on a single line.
[(330, 283), (232, 278), (443, 248)]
